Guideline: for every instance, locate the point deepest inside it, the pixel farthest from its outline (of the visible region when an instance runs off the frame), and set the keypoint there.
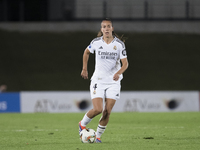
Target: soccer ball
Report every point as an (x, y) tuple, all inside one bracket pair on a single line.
[(87, 136)]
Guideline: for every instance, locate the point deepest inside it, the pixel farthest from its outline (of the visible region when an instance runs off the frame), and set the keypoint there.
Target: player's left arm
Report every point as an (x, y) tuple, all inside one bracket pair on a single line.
[(123, 68)]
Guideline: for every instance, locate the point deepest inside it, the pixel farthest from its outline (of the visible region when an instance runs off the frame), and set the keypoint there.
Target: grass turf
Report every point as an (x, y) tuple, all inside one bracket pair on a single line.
[(138, 131)]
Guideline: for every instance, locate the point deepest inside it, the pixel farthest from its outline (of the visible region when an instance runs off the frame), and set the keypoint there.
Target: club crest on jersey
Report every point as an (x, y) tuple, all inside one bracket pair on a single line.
[(115, 47)]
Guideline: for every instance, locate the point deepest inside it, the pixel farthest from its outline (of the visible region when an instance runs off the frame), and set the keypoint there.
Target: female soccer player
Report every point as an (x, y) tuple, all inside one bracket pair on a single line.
[(105, 81)]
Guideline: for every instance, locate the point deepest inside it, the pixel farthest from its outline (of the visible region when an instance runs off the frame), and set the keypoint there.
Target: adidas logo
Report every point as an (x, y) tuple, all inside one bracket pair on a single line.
[(117, 95), (100, 47)]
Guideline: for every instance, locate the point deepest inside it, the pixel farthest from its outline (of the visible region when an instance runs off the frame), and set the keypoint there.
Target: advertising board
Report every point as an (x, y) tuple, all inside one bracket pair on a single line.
[(9, 102), (55, 102), (167, 101)]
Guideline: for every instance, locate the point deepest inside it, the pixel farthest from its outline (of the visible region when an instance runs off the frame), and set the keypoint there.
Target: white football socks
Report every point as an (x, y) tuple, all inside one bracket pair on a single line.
[(100, 130), (85, 120)]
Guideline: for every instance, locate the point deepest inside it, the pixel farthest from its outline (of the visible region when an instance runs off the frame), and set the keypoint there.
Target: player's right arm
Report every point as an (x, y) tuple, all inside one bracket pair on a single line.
[(84, 72)]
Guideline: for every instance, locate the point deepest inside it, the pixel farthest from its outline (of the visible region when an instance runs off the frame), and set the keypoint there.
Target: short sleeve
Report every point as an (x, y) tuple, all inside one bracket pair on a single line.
[(91, 48), (123, 53)]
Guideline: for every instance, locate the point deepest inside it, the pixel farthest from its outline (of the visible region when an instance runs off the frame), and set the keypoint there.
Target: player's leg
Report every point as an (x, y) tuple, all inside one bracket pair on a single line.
[(97, 109), (112, 94), (109, 103), (97, 94)]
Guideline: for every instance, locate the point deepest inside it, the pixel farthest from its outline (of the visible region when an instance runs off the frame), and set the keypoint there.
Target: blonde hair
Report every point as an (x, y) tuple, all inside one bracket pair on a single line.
[(122, 38)]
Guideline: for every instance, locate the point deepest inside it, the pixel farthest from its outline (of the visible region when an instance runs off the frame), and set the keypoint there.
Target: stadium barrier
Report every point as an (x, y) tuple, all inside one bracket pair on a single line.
[(9, 102), (73, 101)]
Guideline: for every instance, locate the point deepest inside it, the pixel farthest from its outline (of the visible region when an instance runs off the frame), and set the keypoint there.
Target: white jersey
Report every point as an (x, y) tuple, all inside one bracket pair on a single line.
[(107, 59)]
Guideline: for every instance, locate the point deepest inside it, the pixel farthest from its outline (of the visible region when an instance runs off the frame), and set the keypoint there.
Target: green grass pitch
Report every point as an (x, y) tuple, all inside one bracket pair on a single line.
[(125, 131)]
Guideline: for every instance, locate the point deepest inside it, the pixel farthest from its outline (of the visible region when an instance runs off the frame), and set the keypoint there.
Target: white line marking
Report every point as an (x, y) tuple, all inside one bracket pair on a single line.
[(174, 127), (34, 130), (19, 130)]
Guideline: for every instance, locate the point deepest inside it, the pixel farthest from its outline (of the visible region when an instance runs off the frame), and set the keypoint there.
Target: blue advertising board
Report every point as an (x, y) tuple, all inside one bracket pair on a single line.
[(9, 102)]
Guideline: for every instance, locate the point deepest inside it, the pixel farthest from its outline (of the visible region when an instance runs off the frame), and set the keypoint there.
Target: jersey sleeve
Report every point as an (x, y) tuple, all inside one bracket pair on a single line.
[(91, 48), (123, 52)]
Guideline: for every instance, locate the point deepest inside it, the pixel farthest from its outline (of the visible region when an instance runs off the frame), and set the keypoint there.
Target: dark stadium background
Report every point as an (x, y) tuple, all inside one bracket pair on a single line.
[(41, 61)]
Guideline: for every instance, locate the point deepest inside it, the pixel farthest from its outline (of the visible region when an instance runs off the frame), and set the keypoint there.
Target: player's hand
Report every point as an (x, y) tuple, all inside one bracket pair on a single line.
[(84, 74), (116, 77)]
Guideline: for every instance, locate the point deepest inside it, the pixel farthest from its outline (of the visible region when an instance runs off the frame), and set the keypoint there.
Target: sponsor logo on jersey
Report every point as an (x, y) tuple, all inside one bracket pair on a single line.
[(100, 47), (107, 55), (115, 47), (90, 46)]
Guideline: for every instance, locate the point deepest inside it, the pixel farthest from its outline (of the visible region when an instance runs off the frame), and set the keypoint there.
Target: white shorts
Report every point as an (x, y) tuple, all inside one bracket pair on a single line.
[(105, 90)]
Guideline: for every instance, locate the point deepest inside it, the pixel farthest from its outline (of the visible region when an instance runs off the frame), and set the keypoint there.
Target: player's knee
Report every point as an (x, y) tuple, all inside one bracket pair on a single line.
[(106, 113), (97, 111)]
